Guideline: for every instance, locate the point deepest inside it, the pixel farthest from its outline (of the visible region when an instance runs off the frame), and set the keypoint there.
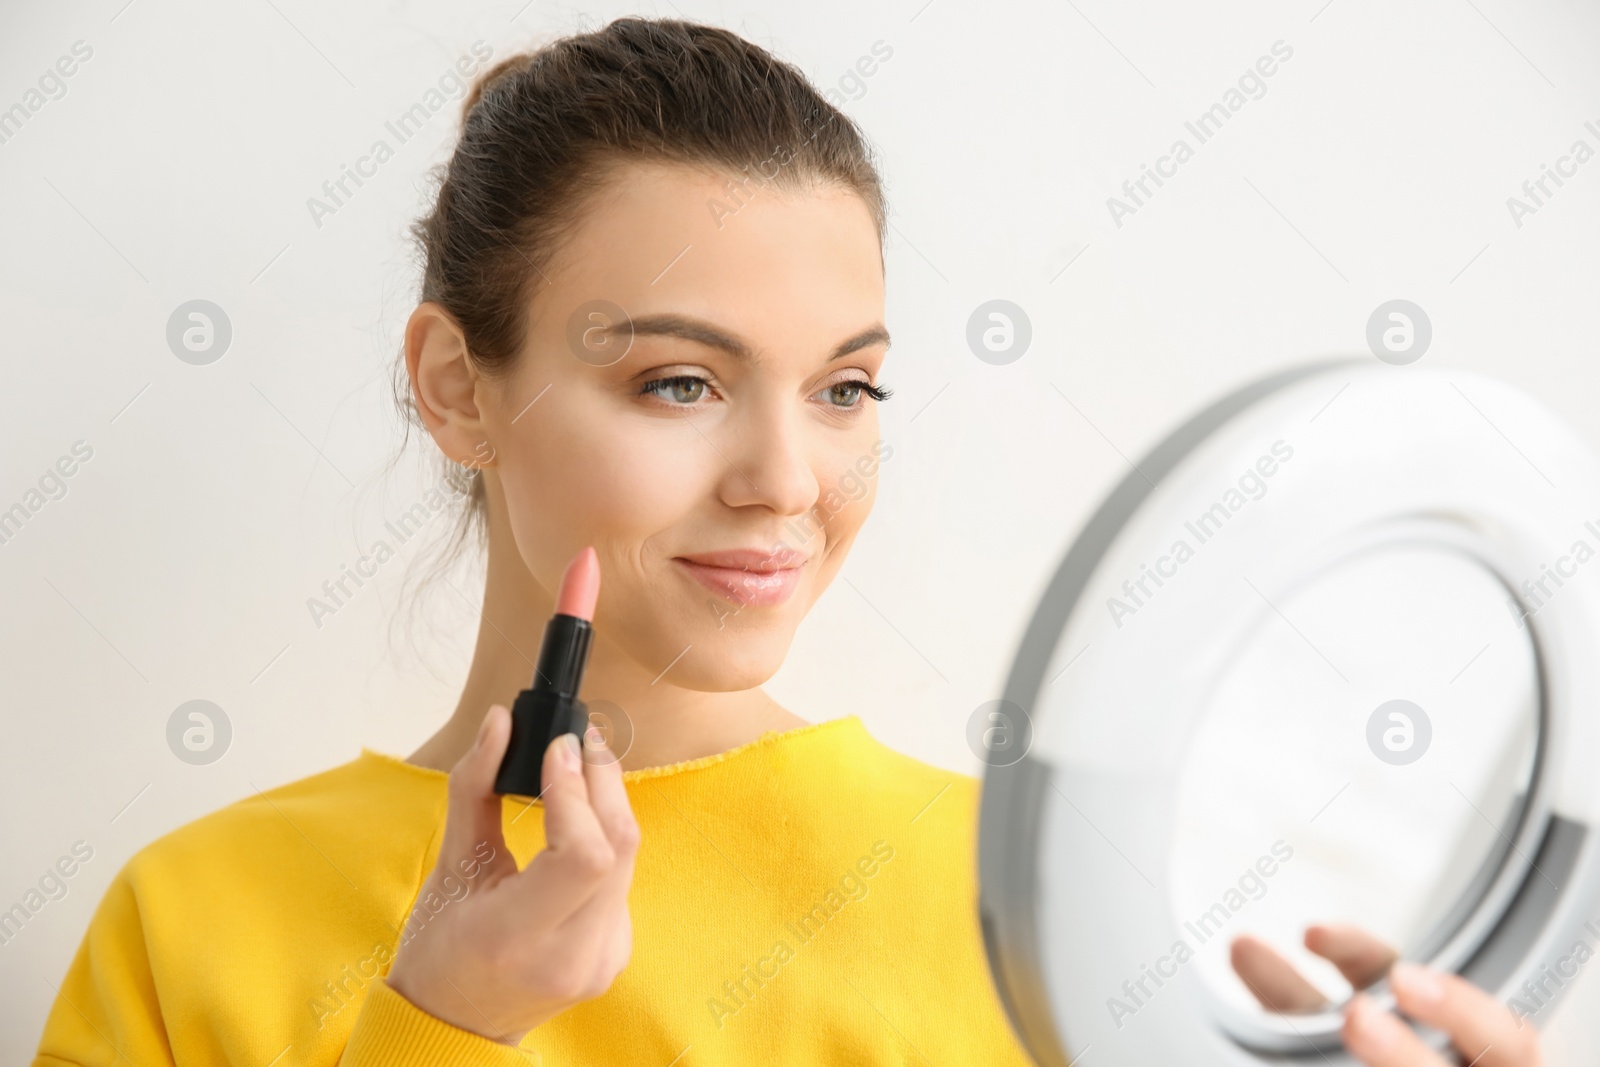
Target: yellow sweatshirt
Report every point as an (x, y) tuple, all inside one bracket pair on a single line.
[(807, 898)]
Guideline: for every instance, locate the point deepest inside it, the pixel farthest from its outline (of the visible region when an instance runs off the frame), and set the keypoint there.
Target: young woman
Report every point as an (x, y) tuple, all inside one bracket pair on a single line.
[(652, 323)]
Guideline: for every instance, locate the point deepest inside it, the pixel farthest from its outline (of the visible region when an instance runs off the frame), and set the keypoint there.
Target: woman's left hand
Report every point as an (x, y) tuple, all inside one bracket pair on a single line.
[(1483, 1030)]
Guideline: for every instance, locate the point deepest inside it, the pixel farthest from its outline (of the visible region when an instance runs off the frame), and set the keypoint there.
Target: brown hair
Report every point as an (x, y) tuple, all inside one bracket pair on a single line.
[(544, 130)]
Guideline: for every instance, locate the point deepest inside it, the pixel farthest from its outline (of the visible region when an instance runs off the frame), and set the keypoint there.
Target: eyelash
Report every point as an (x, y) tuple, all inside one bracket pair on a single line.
[(659, 385)]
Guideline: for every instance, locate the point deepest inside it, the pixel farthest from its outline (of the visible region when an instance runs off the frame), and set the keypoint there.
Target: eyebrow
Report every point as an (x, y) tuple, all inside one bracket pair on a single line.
[(698, 330)]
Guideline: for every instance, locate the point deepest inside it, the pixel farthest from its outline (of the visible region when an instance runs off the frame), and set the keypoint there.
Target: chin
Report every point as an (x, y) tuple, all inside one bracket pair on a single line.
[(722, 679), (742, 654)]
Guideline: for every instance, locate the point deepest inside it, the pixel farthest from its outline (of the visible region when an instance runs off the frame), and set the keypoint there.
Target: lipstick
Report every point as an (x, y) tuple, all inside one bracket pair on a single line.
[(550, 706)]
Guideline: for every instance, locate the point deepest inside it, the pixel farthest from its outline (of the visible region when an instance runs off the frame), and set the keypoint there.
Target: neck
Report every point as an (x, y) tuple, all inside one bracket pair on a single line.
[(668, 723)]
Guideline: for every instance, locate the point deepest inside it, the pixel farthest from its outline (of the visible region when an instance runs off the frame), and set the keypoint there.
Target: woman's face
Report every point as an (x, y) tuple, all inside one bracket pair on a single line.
[(722, 462)]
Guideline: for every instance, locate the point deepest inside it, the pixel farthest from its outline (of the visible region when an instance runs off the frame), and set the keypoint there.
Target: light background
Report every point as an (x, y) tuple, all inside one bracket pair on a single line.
[(178, 165)]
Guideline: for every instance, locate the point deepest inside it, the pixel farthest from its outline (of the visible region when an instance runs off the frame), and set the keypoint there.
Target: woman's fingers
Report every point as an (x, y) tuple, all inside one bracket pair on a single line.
[(602, 921), (577, 855), (607, 794), (473, 839), (1360, 957), (1481, 1028), (598, 936), (1273, 979), (1379, 1039)]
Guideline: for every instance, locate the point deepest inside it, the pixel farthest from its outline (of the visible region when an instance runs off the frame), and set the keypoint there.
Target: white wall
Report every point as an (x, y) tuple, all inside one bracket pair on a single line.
[(178, 165)]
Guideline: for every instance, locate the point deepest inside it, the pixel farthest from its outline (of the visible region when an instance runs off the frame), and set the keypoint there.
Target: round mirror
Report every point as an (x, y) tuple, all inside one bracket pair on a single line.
[(1324, 659)]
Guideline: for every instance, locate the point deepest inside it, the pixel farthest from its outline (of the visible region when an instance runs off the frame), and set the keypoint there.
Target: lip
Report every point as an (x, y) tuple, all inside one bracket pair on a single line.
[(751, 559), (749, 578)]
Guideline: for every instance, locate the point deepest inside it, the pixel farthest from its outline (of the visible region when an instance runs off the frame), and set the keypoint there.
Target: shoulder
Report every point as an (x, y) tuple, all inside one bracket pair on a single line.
[(293, 889), (288, 884), (322, 829), (901, 784)]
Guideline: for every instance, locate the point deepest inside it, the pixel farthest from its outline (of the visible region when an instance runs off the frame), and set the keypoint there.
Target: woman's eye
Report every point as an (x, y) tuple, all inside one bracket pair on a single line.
[(847, 394), (679, 389), (686, 390), (844, 394)]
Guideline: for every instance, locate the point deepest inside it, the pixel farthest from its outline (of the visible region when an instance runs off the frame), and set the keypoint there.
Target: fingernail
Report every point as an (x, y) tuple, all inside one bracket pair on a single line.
[(483, 727), (562, 751), (1418, 983), (592, 736), (571, 759)]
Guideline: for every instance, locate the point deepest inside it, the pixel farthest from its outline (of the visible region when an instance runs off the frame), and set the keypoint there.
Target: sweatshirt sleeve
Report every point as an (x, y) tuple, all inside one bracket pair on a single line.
[(108, 1009), (106, 1006), (393, 1032)]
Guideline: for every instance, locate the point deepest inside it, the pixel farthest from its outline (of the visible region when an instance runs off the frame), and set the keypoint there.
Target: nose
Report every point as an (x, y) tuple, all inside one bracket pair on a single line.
[(769, 464)]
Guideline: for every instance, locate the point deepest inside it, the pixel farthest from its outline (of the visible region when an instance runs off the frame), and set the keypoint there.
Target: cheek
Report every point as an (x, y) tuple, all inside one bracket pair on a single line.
[(603, 481), (854, 504), (844, 506)]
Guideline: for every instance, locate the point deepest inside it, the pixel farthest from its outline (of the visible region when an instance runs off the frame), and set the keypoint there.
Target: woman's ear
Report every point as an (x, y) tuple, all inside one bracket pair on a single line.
[(444, 384)]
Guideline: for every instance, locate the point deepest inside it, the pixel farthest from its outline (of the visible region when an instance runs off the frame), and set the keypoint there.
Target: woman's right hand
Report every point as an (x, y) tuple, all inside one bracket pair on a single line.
[(519, 947)]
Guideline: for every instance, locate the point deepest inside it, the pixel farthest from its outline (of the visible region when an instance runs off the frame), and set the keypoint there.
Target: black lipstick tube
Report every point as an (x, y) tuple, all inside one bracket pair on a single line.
[(549, 707)]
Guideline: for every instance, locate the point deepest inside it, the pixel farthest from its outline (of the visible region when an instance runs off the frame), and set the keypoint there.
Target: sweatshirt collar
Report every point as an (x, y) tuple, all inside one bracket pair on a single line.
[(848, 724)]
